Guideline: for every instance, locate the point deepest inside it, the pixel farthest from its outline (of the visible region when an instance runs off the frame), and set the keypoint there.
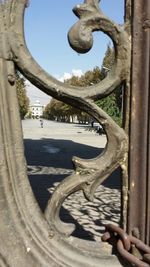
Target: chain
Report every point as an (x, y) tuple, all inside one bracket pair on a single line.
[(125, 243)]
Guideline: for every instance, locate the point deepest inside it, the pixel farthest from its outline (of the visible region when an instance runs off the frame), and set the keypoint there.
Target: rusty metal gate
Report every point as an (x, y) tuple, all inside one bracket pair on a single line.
[(29, 238)]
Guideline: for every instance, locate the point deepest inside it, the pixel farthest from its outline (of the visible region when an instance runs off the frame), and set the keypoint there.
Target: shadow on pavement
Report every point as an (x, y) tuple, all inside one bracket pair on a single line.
[(49, 162)]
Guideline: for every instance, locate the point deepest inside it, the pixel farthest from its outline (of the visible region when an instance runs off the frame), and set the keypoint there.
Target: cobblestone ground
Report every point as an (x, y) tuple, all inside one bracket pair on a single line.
[(89, 217)]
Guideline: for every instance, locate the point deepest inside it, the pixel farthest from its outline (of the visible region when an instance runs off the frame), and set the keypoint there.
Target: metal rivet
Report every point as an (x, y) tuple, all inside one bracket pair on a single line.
[(11, 79), (51, 235)]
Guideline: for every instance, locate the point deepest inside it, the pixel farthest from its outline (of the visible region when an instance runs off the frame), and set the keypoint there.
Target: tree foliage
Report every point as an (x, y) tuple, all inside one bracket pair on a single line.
[(109, 57), (111, 104), (89, 78), (59, 111), (23, 100)]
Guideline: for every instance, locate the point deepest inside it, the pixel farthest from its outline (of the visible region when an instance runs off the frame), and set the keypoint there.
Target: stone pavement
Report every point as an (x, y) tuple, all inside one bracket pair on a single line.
[(48, 152)]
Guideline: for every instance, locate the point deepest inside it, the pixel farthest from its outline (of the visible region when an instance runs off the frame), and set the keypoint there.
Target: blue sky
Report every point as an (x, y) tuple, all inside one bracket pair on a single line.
[(47, 23)]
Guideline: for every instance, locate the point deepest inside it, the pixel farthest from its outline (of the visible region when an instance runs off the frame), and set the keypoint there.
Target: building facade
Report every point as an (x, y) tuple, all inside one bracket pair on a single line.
[(36, 110)]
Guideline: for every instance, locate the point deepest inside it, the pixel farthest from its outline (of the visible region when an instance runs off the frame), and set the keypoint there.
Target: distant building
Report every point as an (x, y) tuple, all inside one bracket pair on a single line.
[(36, 110)]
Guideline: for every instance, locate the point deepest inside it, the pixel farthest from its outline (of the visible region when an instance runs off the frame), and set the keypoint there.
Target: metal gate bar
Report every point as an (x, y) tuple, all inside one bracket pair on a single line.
[(139, 175)]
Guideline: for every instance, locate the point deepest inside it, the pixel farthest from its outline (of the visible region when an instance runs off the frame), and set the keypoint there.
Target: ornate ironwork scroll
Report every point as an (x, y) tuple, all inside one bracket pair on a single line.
[(88, 174), (32, 238)]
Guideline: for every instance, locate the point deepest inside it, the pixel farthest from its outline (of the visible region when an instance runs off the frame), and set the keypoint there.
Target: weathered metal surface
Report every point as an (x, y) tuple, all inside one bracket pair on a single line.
[(125, 244), (139, 175), (88, 175), (32, 238), (28, 237)]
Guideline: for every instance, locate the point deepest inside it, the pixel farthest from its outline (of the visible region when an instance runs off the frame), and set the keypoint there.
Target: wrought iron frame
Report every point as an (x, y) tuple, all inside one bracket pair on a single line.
[(29, 238)]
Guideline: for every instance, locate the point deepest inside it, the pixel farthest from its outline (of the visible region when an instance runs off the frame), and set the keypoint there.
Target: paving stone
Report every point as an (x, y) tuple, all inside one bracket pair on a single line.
[(77, 213), (96, 227), (93, 212)]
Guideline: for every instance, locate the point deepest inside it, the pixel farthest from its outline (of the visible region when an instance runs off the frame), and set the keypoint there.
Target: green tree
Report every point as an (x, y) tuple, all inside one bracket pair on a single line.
[(111, 104), (90, 77), (23, 100), (109, 57), (57, 110), (108, 61)]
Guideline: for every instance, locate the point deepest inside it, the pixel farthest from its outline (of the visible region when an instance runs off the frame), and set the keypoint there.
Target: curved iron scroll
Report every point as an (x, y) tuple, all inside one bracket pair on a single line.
[(88, 173)]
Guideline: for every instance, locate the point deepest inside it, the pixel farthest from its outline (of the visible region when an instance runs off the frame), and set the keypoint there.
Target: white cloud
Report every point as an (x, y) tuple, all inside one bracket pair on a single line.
[(66, 75), (78, 73)]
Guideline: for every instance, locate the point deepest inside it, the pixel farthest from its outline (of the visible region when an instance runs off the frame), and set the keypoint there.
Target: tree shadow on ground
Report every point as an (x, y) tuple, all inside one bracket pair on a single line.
[(49, 162)]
